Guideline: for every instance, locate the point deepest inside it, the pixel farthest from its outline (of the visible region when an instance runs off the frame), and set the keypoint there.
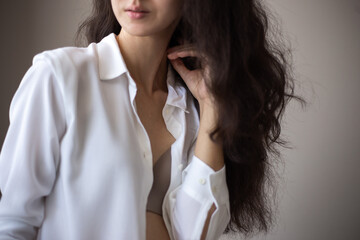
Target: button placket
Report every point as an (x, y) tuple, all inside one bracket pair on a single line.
[(144, 142), (143, 137)]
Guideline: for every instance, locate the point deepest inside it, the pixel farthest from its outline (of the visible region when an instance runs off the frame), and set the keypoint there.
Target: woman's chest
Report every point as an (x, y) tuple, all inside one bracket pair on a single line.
[(151, 116)]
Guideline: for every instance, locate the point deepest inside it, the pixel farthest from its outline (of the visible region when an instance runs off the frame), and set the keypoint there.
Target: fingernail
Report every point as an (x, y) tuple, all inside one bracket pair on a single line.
[(174, 61)]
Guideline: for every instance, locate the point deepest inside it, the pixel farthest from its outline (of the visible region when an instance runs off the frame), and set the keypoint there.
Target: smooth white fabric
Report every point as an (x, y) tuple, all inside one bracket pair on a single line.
[(76, 162)]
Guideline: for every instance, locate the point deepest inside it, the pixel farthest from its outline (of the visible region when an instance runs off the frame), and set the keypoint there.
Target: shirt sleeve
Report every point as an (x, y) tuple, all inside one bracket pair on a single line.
[(31, 152), (190, 202)]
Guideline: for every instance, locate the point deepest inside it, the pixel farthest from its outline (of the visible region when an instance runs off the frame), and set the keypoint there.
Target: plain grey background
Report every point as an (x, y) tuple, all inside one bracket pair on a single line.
[(319, 193)]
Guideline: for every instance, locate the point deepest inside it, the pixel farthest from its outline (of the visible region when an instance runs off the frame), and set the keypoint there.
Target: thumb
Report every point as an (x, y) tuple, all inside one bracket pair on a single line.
[(180, 68)]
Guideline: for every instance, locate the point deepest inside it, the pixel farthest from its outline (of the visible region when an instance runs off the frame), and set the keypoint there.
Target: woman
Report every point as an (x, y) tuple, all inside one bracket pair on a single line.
[(129, 137)]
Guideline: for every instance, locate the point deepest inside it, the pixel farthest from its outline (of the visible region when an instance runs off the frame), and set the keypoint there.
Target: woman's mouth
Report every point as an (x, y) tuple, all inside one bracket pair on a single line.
[(136, 14)]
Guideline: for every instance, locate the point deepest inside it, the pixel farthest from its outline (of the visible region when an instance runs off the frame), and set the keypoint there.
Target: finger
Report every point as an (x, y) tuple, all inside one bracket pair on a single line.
[(183, 53), (180, 67)]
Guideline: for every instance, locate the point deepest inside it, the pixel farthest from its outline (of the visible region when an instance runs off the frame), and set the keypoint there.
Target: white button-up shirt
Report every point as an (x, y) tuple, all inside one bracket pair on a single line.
[(76, 162)]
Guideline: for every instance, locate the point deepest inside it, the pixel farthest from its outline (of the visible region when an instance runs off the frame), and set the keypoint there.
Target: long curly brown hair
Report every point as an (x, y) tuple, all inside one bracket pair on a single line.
[(251, 82)]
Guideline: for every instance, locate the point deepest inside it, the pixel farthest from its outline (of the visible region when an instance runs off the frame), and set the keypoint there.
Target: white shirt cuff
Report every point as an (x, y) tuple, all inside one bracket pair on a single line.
[(202, 183)]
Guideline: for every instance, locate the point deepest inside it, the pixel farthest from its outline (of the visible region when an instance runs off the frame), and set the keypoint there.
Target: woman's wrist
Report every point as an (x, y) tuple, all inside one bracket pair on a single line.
[(208, 115)]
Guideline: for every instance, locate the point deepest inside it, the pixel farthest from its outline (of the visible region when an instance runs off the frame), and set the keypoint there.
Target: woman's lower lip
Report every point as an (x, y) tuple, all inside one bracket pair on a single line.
[(136, 15)]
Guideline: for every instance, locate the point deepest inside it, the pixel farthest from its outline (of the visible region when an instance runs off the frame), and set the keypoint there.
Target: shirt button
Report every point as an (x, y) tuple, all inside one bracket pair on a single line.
[(144, 155), (202, 181), (180, 167)]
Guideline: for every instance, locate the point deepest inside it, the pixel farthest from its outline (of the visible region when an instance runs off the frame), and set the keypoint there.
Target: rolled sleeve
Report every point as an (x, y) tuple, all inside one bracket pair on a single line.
[(201, 188), (204, 184)]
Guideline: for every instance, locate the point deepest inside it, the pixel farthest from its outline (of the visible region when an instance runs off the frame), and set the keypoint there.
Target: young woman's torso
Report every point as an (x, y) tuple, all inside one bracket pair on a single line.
[(149, 109)]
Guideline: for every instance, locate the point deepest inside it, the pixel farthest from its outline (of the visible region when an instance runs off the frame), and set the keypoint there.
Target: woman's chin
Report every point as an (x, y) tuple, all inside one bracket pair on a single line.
[(137, 31)]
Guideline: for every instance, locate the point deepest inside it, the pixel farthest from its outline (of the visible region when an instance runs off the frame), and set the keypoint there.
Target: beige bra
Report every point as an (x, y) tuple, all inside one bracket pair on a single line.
[(162, 170)]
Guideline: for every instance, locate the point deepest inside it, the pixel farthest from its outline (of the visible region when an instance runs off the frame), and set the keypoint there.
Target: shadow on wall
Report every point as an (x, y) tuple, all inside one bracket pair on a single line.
[(30, 28)]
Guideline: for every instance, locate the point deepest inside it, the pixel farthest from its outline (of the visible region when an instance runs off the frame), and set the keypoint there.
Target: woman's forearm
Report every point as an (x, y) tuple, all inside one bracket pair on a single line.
[(207, 150)]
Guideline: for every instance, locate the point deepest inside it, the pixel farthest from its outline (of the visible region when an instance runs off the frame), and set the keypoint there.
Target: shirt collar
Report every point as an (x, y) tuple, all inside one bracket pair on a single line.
[(111, 62), (111, 65)]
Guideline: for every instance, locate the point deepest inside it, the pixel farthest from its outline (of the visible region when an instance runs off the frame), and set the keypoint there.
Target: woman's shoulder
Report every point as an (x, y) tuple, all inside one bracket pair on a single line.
[(96, 60), (68, 59)]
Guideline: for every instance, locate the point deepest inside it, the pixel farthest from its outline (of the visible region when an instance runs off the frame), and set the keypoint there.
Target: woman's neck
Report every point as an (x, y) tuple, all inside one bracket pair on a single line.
[(146, 59)]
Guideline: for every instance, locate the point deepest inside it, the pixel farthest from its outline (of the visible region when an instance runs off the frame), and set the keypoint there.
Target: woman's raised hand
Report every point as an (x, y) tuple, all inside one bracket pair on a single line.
[(194, 79), (206, 149)]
